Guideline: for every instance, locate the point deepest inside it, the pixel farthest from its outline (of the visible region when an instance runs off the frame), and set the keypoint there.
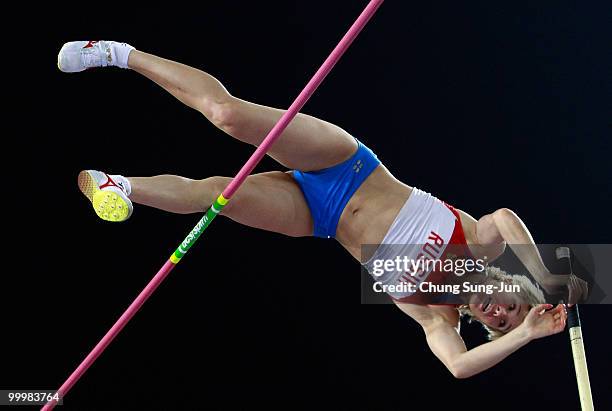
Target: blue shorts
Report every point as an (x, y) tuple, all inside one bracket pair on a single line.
[(328, 191)]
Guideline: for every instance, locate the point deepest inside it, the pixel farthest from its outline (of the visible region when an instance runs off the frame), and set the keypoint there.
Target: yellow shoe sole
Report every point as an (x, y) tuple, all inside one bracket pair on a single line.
[(107, 204)]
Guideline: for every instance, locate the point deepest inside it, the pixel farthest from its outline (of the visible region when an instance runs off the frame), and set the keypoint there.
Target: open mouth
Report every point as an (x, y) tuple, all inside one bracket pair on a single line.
[(487, 305)]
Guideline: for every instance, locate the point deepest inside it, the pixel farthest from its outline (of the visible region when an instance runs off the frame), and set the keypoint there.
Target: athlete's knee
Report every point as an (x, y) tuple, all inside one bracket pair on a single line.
[(204, 192), (217, 184), (223, 113)]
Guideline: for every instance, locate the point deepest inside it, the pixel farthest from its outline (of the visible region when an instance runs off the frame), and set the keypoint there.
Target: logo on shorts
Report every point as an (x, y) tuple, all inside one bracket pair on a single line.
[(358, 166)]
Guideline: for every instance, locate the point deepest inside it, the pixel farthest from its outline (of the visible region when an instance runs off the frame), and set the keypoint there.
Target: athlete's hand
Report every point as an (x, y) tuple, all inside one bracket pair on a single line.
[(541, 323), (578, 289)]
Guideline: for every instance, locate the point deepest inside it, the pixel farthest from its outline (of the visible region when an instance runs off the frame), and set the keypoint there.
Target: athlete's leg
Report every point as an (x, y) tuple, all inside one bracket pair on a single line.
[(307, 144), (270, 201)]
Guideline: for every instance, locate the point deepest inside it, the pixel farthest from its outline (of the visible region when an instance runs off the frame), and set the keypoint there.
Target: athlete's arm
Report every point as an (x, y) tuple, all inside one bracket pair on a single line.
[(504, 226), (446, 343)]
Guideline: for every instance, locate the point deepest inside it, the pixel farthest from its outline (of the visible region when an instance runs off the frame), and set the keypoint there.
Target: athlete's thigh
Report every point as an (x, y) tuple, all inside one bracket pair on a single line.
[(307, 144), (271, 201)]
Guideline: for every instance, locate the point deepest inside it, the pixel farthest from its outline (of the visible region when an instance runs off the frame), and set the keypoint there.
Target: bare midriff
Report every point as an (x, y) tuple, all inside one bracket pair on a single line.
[(371, 210)]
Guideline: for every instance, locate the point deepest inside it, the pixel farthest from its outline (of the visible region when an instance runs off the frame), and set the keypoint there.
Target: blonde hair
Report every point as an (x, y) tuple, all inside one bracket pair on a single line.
[(531, 293)]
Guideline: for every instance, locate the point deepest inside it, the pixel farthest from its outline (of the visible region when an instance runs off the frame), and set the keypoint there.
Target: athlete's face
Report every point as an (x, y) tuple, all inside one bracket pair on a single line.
[(501, 317)]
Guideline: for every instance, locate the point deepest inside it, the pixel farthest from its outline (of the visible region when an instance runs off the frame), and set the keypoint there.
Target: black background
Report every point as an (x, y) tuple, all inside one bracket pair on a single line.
[(485, 105)]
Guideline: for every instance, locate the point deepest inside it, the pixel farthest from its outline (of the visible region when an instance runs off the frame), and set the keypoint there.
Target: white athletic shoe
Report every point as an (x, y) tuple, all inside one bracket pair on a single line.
[(108, 197), (77, 56)]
